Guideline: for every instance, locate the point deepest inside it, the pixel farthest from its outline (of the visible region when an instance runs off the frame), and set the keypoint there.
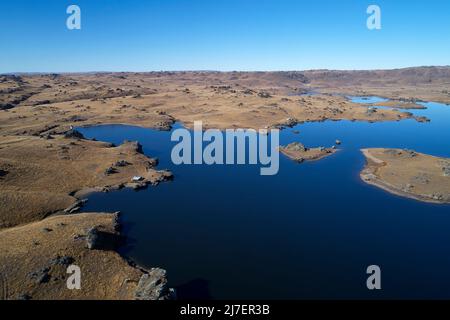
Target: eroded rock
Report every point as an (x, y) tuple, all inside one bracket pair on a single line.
[(41, 276), (100, 240), (73, 133), (153, 286)]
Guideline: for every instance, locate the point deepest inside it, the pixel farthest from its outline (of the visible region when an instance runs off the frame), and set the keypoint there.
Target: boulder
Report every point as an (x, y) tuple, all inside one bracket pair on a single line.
[(410, 153), (73, 133), (62, 261), (153, 286), (371, 110), (6, 106), (41, 276), (166, 175), (46, 136), (422, 119), (296, 146), (264, 95), (446, 169), (121, 163), (138, 185), (99, 240), (110, 170), (165, 125), (290, 122), (437, 196), (24, 296), (75, 207)]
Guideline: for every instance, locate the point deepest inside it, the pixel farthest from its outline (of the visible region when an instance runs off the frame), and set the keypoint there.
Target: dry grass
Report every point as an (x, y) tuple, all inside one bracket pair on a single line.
[(408, 173), (41, 176), (30, 248), (220, 100)]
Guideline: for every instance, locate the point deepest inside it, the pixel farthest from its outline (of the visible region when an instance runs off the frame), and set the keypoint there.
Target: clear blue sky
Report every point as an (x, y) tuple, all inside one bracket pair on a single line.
[(225, 35)]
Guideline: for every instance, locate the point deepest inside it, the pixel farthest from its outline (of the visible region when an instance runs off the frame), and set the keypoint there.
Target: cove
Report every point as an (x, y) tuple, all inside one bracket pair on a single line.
[(308, 232)]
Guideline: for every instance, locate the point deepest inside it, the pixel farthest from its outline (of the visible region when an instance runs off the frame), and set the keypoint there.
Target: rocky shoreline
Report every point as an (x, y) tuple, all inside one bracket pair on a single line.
[(62, 169), (35, 267), (400, 104), (297, 152), (47, 168), (42, 233)]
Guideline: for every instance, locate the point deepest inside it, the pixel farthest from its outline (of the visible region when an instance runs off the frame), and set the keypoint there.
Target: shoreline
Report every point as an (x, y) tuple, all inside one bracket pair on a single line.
[(89, 241), (32, 131), (299, 153), (369, 176)]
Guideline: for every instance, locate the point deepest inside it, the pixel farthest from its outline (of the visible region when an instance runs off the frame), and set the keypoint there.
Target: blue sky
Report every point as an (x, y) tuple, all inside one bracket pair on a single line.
[(221, 35)]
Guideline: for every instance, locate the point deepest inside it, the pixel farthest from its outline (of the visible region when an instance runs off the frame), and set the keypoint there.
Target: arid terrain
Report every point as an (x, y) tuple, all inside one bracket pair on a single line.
[(47, 167), (57, 170), (34, 259), (408, 173)]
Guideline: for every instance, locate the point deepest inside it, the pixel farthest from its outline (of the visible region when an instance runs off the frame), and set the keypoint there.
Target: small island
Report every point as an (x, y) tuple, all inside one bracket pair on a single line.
[(399, 104), (298, 152), (408, 173)]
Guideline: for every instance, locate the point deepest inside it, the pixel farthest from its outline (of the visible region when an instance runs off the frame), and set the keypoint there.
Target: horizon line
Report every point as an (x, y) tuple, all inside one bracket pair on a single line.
[(215, 71)]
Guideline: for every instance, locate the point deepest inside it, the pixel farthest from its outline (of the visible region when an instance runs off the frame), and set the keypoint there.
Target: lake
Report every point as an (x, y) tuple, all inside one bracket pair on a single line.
[(225, 232)]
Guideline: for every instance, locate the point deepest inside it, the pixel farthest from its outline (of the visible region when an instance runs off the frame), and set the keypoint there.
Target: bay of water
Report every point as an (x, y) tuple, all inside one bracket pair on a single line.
[(225, 232)]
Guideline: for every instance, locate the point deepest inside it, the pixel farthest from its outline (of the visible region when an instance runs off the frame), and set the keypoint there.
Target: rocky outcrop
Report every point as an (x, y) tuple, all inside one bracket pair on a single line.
[(153, 286), (299, 153), (73, 133), (152, 178), (75, 207), (287, 123), (40, 276), (101, 240), (446, 168), (52, 176), (264, 94), (122, 163), (44, 257)]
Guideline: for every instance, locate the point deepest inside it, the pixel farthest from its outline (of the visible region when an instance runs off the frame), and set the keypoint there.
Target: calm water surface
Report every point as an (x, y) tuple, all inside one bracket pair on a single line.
[(308, 232)]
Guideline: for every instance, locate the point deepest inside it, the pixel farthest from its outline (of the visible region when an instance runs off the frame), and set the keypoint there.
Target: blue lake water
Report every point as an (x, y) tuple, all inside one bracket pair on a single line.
[(308, 232), (369, 99)]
